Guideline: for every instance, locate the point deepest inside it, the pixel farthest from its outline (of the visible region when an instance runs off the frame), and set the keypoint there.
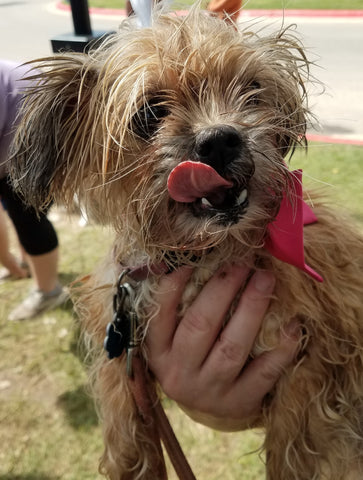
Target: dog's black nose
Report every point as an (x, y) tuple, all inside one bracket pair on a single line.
[(218, 146)]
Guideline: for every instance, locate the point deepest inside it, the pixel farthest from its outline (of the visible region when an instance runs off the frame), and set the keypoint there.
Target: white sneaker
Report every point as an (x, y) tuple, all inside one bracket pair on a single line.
[(37, 302)]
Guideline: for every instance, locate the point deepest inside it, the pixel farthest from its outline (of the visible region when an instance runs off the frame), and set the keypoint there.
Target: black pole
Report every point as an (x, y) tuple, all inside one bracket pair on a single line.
[(81, 18), (83, 38)]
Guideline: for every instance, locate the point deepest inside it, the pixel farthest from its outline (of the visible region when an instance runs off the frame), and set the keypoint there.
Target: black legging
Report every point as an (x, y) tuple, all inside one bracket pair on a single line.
[(35, 232)]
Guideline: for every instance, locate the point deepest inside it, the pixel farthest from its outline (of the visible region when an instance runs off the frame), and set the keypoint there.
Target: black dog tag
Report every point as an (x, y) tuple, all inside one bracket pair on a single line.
[(117, 335)]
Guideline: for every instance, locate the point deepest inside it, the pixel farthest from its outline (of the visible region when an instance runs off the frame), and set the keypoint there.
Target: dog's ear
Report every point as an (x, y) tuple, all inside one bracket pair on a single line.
[(55, 130)]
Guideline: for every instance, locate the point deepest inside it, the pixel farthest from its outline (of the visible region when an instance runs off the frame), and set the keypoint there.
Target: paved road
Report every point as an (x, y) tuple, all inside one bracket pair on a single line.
[(26, 27), (335, 44)]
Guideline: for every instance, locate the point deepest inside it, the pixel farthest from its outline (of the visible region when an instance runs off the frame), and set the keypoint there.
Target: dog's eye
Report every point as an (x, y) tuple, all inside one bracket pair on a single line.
[(146, 121)]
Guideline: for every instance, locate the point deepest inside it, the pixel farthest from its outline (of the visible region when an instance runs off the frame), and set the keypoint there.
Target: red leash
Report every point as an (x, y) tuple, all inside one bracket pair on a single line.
[(121, 336), (157, 424)]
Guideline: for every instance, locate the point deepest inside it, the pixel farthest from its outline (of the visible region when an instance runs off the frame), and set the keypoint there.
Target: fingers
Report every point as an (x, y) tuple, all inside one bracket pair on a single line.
[(200, 361), (191, 339), (240, 406), (237, 338), (204, 319), (261, 375), (162, 327)]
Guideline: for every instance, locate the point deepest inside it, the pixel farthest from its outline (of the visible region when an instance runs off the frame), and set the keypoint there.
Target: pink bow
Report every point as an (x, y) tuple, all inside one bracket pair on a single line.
[(286, 232)]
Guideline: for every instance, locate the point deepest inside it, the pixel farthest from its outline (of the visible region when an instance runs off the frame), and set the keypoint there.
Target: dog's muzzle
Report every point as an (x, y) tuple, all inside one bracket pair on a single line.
[(215, 182)]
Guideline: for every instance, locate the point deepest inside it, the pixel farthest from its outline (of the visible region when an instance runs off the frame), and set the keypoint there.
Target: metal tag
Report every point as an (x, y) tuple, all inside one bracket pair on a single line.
[(121, 332)]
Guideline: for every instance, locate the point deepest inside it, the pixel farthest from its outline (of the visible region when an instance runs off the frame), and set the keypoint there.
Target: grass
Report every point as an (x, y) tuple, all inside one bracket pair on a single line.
[(49, 429), (257, 4), (337, 171)]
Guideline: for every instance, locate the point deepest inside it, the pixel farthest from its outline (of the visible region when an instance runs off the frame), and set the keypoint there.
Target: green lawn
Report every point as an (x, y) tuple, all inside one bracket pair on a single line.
[(49, 429), (257, 4), (337, 170)]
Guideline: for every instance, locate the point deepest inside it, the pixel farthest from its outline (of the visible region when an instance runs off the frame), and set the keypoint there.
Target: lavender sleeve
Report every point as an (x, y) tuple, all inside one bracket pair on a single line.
[(10, 97)]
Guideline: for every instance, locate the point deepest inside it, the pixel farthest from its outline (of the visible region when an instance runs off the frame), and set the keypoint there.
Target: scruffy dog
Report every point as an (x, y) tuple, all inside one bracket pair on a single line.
[(177, 136)]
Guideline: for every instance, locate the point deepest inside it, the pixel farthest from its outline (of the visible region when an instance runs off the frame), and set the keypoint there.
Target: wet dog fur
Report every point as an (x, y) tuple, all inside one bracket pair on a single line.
[(111, 126)]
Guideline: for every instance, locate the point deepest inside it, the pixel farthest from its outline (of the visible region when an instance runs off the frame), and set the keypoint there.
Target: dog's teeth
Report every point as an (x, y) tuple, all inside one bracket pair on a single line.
[(206, 202), (242, 197)]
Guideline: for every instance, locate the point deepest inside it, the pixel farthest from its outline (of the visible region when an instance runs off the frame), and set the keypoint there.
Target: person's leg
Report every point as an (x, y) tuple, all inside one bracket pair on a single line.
[(37, 236), (40, 242), (7, 259), (223, 7), (48, 292), (44, 270), (129, 9)]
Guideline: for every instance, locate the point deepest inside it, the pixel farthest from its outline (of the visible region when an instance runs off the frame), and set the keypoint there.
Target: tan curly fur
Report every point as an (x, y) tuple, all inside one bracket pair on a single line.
[(80, 134)]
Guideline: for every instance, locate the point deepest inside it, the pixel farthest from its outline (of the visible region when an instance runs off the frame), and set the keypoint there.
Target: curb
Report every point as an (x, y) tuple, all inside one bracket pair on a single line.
[(245, 13), (304, 13), (336, 140), (95, 10)]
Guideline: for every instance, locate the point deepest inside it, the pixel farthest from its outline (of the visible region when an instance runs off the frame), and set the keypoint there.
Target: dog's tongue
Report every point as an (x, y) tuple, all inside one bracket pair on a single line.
[(189, 181)]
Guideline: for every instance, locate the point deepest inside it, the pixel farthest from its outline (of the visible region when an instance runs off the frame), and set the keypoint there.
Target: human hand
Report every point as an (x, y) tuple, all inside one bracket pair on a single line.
[(198, 361)]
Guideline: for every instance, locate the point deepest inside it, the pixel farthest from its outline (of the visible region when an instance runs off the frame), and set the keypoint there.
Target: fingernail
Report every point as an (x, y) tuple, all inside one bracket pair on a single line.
[(264, 281)]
